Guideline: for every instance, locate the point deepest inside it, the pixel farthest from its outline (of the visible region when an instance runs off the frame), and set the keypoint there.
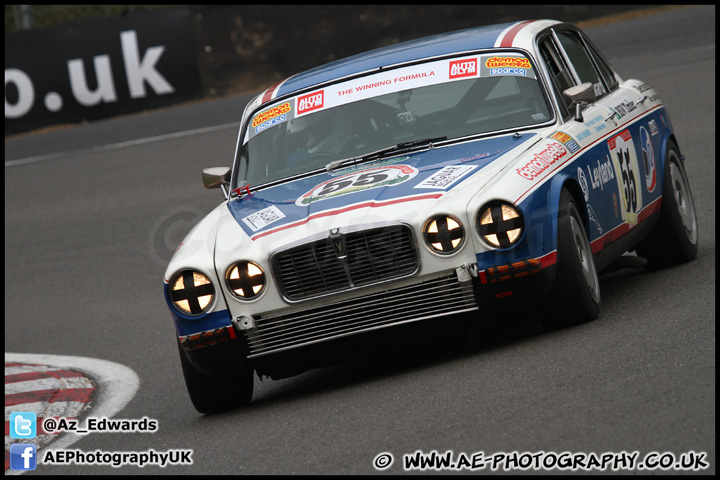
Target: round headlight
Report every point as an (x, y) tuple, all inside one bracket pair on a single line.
[(246, 280), (191, 292), (500, 224), (444, 234)]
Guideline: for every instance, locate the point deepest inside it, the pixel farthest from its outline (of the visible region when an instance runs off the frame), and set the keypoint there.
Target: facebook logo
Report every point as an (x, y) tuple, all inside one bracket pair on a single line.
[(23, 425), (23, 456)]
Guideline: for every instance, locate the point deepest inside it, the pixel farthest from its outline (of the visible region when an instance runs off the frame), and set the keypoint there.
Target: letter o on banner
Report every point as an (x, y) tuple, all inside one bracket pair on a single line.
[(26, 93)]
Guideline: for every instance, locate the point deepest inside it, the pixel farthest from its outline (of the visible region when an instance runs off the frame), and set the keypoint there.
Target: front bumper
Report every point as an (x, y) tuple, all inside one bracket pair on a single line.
[(268, 340)]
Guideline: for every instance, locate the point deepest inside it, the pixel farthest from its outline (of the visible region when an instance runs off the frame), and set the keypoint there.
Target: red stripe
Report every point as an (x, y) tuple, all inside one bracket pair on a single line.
[(27, 376), (617, 232), (267, 96), (83, 395), (372, 204), (507, 41)]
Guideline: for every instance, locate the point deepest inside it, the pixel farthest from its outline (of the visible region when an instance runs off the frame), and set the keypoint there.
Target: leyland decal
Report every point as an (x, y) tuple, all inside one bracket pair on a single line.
[(355, 182)]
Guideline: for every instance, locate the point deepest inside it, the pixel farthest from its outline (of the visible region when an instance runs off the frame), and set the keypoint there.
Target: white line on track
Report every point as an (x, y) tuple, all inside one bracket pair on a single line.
[(115, 146)]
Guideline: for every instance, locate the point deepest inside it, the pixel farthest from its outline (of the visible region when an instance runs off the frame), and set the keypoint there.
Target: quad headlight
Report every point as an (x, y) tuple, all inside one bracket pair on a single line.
[(191, 292), (500, 224), (245, 280), (444, 234)]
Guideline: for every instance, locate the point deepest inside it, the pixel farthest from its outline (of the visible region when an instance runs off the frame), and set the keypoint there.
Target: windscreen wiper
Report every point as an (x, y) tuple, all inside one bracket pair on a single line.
[(399, 148)]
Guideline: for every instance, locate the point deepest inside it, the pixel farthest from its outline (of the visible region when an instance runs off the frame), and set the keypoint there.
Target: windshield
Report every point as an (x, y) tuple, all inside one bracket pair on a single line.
[(450, 98)]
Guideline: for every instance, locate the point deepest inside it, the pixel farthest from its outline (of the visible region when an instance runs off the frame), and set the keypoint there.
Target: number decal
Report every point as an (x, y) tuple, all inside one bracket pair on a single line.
[(359, 181), (625, 161), (628, 180)]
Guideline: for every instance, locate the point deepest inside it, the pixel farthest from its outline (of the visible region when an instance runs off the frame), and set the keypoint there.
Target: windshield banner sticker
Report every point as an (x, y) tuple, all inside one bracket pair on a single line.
[(395, 80), (388, 176)]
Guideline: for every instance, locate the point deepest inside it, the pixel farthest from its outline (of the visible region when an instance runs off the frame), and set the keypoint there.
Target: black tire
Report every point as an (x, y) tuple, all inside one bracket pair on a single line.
[(575, 295), (674, 239), (212, 394)]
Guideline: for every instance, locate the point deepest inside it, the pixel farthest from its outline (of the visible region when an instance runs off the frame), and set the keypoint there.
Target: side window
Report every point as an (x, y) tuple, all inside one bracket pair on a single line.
[(561, 78), (581, 61), (605, 70)]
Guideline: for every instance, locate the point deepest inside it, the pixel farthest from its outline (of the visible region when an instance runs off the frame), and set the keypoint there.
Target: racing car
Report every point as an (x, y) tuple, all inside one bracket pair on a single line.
[(465, 174)]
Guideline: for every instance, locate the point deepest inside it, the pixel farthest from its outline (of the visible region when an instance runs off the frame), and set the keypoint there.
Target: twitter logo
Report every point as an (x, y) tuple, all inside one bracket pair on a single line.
[(23, 425)]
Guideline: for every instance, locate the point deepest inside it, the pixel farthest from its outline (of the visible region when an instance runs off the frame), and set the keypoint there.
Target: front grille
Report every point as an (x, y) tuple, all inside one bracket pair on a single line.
[(431, 298), (366, 257)]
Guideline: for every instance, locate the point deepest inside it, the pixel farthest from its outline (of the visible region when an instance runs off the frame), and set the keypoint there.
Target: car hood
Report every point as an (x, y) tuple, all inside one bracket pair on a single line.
[(413, 177)]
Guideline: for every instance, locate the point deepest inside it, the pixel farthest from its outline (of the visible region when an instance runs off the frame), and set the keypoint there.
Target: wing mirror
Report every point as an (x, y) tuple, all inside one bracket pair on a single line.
[(217, 177), (580, 96)]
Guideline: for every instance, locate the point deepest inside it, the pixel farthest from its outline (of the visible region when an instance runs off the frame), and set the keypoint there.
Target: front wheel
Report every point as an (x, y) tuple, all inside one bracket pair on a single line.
[(575, 296), (212, 394), (674, 239)]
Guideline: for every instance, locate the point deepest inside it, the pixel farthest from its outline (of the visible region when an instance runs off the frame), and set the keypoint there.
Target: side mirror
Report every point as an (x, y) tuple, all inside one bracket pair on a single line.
[(216, 177), (579, 96)]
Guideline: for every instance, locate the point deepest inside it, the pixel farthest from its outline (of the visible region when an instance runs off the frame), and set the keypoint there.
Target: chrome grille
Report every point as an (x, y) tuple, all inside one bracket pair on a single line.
[(366, 257), (431, 298)]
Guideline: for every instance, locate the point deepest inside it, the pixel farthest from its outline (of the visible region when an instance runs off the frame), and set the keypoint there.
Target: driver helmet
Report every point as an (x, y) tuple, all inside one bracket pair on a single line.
[(327, 131)]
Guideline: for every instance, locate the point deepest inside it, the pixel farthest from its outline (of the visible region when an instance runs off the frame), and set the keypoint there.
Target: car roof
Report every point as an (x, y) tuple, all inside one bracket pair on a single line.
[(505, 35)]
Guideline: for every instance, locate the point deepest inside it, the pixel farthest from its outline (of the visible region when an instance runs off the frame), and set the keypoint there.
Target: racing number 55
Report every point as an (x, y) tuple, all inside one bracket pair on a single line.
[(628, 180), (363, 179)]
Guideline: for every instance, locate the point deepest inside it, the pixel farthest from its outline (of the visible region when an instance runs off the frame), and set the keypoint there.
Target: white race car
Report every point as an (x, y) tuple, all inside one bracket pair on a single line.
[(464, 174)]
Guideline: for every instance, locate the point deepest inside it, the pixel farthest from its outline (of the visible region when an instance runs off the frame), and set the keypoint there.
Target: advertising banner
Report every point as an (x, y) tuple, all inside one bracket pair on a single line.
[(98, 69)]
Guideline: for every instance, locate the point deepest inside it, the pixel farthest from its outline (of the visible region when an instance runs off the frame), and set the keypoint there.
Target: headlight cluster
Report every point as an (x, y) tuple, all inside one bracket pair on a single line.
[(444, 234), (246, 280), (500, 224), (191, 292)]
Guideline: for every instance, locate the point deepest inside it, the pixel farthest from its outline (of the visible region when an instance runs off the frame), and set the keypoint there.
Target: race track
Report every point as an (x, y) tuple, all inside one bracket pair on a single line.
[(93, 213)]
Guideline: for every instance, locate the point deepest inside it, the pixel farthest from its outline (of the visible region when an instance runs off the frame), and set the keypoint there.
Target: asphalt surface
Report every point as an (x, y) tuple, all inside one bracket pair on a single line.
[(93, 213)]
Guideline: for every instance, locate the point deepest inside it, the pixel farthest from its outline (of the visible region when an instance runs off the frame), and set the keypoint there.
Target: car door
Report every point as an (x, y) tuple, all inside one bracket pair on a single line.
[(607, 165)]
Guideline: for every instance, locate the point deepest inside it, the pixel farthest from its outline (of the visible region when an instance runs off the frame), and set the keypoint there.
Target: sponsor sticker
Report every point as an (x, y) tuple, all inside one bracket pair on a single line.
[(652, 125), (508, 62), (446, 176), (310, 102), (387, 176), (566, 140), (271, 113), (263, 218), (542, 160), (270, 123), (467, 67), (648, 159)]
